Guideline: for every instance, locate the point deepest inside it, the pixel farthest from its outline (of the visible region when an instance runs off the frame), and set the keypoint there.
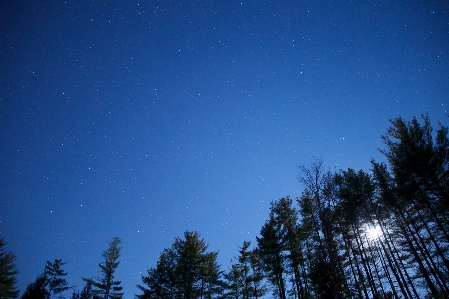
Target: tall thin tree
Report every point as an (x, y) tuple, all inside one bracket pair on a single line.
[(56, 282), (8, 273), (105, 286)]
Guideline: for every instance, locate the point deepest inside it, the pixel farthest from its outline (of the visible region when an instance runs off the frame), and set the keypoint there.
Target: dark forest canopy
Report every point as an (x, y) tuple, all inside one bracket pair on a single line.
[(350, 234)]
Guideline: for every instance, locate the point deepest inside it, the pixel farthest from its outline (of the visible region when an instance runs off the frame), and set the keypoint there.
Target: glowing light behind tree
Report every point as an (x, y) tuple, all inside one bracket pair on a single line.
[(373, 232)]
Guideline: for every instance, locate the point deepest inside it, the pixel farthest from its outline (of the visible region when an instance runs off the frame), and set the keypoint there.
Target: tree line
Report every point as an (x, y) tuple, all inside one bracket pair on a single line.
[(351, 234)]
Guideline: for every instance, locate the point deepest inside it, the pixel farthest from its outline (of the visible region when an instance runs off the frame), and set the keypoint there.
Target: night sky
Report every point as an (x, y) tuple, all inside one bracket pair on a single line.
[(146, 119)]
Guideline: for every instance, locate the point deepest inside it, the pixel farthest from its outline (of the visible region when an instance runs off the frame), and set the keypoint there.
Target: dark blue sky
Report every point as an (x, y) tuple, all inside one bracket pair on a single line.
[(145, 119)]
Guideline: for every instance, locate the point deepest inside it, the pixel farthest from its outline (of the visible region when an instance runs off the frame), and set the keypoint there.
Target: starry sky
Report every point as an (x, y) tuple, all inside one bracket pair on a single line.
[(144, 119)]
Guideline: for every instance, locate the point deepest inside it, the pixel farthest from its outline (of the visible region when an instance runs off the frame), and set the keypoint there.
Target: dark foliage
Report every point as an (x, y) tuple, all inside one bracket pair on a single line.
[(8, 273), (105, 286), (351, 234)]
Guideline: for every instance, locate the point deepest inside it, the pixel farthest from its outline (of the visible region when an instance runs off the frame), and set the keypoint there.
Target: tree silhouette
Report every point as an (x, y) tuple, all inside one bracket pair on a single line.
[(8, 273), (105, 286), (185, 270), (37, 289), (86, 293), (317, 246), (56, 283), (271, 254), (246, 276)]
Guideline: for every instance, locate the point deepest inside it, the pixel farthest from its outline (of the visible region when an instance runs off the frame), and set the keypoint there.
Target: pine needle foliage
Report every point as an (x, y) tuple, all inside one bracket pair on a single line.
[(105, 286), (8, 273)]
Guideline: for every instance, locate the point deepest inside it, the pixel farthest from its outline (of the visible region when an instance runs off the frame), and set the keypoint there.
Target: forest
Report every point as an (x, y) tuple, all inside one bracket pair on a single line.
[(350, 234)]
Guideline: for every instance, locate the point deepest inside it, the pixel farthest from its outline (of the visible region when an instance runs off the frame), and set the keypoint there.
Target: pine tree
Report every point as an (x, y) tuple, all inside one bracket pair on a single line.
[(245, 268), (418, 162), (318, 210), (238, 281), (191, 253), (75, 295), (105, 286), (86, 293), (287, 217), (417, 193), (56, 283), (233, 283), (271, 253), (8, 273), (185, 270), (210, 284), (37, 289), (259, 288), (161, 281)]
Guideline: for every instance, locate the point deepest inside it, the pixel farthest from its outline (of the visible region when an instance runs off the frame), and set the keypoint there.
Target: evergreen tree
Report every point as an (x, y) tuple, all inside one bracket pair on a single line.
[(86, 293), (233, 283), (318, 209), (245, 268), (418, 162), (191, 266), (287, 217), (369, 272), (185, 270), (259, 288), (271, 253), (56, 283), (51, 283), (75, 295), (37, 289), (210, 283), (417, 192), (161, 281), (238, 281), (189, 251), (246, 278), (8, 273), (105, 286)]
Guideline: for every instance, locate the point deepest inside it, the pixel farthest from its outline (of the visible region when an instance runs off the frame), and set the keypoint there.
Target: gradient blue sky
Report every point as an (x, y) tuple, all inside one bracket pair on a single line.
[(145, 119)]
